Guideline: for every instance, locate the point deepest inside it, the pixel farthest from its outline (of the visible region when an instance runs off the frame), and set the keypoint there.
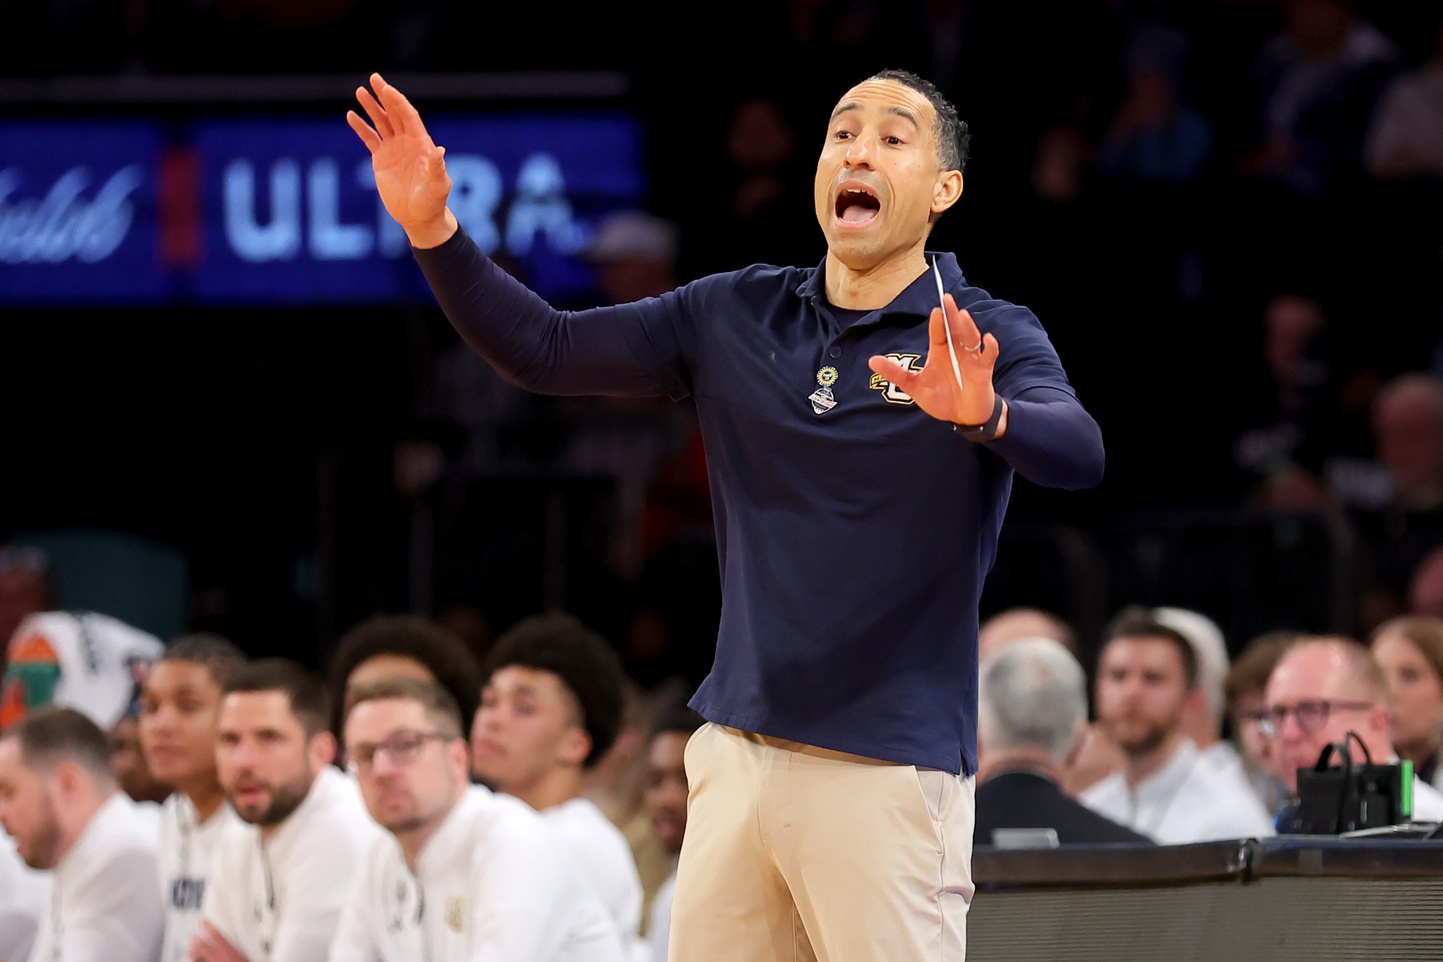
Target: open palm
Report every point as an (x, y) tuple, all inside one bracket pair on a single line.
[(410, 169), (934, 388)]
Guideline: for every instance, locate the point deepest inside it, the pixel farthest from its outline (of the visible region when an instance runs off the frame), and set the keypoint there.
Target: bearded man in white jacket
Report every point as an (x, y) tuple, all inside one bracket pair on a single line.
[(278, 882)]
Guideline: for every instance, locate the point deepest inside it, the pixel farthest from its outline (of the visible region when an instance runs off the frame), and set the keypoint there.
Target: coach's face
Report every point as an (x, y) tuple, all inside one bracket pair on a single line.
[(410, 770), (879, 182), (27, 809), (264, 757)]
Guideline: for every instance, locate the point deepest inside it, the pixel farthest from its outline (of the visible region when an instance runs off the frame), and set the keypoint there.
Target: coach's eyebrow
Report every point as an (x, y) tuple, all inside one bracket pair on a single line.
[(902, 112)]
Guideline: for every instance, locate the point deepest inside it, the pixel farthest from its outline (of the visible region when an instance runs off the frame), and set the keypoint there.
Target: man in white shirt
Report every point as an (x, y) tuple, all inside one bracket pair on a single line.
[(61, 804), (550, 708), (468, 875), (1147, 682), (281, 879), (1323, 687), (178, 706)]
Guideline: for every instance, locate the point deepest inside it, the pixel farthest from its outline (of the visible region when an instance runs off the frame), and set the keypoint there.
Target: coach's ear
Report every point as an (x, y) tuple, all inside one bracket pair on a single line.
[(946, 191)]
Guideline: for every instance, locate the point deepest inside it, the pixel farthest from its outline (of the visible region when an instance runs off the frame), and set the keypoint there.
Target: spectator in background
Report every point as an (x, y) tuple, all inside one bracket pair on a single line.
[(289, 869), (1317, 83), (762, 196), (1096, 756), (465, 874), (61, 804), (1425, 585), (1032, 714), (1155, 137), (1203, 718), (1396, 498), (1298, 170), (1409, 649), (178, 709), (1288, 424), (665, 801), (1246, 686), (1405, 136), (1322, 688), (1002, 628), (129, 765), (617, 784), (27, 587), (1147, 675), (634, 253), (551, 707), (413, 646), (77, 659)]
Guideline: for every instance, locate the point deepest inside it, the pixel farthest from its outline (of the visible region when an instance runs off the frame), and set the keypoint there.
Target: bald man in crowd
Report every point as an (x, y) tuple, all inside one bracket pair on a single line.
[(1322, 688)]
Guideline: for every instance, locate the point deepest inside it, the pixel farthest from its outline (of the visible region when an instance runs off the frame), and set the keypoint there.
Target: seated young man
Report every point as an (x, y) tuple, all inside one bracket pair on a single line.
[(550, 708), (178, 706)]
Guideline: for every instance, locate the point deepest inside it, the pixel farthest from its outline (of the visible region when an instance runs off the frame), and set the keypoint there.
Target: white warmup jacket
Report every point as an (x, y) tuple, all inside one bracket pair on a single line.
[(493, 884)]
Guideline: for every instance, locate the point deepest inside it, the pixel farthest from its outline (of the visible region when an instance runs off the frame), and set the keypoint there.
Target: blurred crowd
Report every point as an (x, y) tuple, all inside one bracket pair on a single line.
[(420, 796)]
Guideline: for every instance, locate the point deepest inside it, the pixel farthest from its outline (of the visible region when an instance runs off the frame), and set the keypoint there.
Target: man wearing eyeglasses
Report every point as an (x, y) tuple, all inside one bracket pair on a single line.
[(1322, 688), (278, 883), (471, 875)]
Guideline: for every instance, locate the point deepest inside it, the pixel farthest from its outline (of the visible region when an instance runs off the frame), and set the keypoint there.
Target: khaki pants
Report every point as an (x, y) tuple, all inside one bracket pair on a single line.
[(799, 853)]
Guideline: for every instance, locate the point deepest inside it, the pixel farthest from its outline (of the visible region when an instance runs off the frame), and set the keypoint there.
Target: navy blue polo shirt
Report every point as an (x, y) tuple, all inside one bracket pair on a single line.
[(854, 531)]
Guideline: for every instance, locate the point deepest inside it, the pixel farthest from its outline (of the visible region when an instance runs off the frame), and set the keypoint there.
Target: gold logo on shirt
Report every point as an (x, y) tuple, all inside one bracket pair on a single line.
[(455, 912), (890, 392)]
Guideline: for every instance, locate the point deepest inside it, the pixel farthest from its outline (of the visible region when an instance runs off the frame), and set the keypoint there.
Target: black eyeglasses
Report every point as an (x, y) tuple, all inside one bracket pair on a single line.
[(1311, 713), (402, 749)]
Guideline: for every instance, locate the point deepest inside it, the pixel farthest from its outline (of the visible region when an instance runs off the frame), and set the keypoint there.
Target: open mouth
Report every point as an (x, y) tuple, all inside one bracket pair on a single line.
[(857, 206)]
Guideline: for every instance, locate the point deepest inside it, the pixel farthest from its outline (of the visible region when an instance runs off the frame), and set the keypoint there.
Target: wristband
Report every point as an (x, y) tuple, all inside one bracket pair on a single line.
[(982, 432)]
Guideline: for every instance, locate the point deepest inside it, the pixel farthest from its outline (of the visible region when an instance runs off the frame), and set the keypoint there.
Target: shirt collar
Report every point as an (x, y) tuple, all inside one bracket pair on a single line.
[(918, 298), (449, 839), (1165, 783), (108, 820)]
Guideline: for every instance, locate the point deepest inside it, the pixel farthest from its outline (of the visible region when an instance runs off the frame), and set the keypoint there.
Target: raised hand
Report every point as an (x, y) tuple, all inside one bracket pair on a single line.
[(935, 388), (410, 169)]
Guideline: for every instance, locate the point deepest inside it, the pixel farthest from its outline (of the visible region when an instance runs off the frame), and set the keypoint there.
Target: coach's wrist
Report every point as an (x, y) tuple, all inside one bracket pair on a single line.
[(989, 429)]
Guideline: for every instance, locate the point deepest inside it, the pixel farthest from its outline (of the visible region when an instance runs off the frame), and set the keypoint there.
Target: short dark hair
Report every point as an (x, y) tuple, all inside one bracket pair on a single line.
[(309, 701), (53, 734), (454, 665), (217, 654), (1251, 670), (438, 703), (587, 664), (1137, 621), (954, 140)]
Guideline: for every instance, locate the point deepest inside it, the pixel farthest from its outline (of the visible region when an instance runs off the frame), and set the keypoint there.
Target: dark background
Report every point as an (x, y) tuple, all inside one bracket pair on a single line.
[(259, 443)]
